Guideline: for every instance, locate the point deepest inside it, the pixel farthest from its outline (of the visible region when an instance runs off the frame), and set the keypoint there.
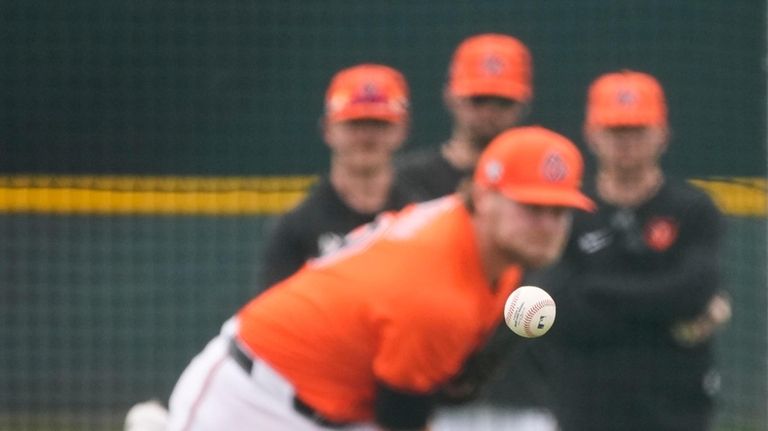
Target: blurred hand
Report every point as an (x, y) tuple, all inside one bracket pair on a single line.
[(701, 328)]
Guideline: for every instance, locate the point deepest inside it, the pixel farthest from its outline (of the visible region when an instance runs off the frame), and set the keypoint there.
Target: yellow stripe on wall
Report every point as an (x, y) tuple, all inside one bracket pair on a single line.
[(151, 195), (158, 195), (739, 196)]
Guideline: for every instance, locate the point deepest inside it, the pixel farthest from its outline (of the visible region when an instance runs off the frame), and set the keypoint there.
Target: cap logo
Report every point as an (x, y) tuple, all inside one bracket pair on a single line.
[(493, 171), (370, 93), (626, 97), (554, 168), (492, 65)]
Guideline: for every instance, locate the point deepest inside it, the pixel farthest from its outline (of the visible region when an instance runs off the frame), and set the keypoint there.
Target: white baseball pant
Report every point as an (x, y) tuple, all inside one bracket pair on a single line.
[(215, 393)]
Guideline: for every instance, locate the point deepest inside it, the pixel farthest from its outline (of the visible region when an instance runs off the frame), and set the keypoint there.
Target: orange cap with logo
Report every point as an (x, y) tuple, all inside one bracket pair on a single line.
[(534, 165), (367, 91), (626, 98), (491, 65)]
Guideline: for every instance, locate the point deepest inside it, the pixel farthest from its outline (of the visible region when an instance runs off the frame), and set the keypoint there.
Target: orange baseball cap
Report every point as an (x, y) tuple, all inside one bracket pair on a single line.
[(491, 65), (367, 91), (626, 98), (534, 165)]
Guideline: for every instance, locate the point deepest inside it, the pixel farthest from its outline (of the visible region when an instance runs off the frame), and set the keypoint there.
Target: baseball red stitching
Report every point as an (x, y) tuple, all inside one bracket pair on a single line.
[(511, 309), (531, 312)]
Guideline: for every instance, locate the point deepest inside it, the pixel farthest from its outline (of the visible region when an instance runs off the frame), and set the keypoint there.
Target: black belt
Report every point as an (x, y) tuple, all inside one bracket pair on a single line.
[(246, 363), (242, 358)]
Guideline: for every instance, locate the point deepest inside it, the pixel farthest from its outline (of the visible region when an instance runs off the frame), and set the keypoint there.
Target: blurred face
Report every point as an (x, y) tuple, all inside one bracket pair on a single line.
[(530, 235), (364, 145), (627, 148), (480, 118)]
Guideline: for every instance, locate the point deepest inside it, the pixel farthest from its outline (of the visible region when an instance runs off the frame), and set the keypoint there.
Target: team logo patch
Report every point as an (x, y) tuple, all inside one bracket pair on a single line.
[(493, 171), (492, 65), (660, 233), (370, 93), (554, 168), (592, 242), (627, 98), (329, 242)]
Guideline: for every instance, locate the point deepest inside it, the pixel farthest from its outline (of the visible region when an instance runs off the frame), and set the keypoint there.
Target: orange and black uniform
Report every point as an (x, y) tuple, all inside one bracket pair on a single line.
[(377, 327)]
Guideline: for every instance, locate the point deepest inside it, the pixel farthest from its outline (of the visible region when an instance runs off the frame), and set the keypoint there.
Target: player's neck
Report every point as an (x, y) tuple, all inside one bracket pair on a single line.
[(365, 191), (460, 153), (629, 188), (492, 262)]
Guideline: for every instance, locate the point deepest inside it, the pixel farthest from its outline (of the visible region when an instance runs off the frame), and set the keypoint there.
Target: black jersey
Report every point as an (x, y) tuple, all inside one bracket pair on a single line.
[(626, 277), (314, 226), (427, 175)]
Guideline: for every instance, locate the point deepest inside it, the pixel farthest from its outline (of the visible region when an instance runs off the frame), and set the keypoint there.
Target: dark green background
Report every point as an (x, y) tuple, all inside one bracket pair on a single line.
[(236, 87), (97, 313)]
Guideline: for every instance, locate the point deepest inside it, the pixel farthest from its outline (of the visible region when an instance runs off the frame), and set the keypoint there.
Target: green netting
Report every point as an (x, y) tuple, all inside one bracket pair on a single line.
[(236, 86), (99, 312), (743, 347)]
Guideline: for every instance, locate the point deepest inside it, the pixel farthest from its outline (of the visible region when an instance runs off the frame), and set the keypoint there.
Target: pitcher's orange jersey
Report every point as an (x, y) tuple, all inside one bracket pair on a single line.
[(404, 302)]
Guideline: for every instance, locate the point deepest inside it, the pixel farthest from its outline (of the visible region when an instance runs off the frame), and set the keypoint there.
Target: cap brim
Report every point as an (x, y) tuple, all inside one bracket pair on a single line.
[(626, 120), (550, 196), (491, 88), (368, 114)]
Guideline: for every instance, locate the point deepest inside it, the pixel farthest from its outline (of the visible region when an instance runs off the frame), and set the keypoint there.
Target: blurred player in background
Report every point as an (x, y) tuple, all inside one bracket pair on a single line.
[(366, 120), (364, 337), (638, 288), (488, 90)]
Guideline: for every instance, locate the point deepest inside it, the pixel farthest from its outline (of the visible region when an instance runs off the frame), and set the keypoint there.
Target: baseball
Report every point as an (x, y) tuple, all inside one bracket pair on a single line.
[(529, 311), (146, 416)]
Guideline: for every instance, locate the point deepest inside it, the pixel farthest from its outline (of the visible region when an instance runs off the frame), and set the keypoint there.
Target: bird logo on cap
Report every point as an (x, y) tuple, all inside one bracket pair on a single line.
[(493, 65), (554, 168), (370, 93), (627, 97)]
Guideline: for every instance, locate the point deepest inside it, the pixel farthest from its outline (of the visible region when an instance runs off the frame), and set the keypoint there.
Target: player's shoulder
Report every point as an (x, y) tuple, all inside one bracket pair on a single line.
[(418, 161), (401, 195), (317, 196), (427, 174), (686, 195), (432, 220), (683, 188), (318, 200)]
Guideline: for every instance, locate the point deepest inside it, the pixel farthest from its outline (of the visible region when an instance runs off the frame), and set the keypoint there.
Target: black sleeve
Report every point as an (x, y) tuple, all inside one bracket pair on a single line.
[(284, 252), (397, 410), (575, 311), (611, 304)]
